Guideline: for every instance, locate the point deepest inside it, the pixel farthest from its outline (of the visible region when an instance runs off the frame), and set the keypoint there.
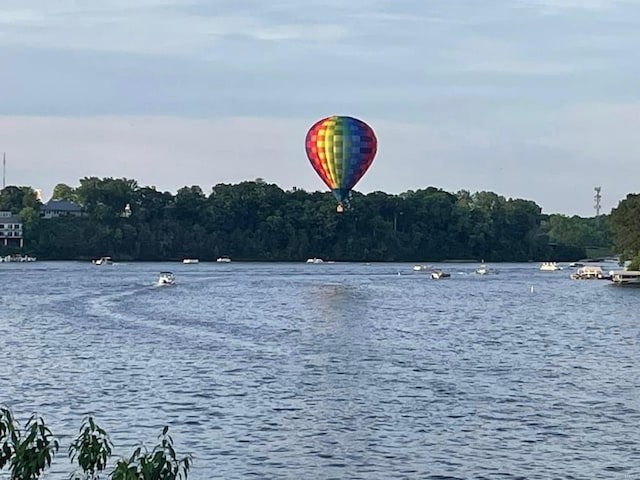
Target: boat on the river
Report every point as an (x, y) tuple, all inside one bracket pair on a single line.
[(17, 258), (625, 278), (166, 278), (550, 267), (438, 274), (102, 261), (588, 272)]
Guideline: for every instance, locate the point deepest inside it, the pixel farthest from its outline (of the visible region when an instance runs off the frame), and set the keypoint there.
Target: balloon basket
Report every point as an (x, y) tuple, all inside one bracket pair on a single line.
[(339, 208)]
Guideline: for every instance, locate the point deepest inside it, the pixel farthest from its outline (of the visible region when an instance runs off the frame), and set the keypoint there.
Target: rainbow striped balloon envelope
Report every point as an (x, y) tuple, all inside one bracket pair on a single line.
[(341, 149)]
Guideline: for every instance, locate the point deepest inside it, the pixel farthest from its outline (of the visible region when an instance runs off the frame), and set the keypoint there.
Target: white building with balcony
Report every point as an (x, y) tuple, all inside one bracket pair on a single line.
[(10, 229)]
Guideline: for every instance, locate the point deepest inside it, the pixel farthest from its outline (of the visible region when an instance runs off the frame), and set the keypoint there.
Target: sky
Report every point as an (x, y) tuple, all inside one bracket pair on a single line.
[(534, 99)]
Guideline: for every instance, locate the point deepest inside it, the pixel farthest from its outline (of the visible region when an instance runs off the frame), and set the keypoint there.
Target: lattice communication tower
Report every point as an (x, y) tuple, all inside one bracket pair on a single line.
[(597, 198)]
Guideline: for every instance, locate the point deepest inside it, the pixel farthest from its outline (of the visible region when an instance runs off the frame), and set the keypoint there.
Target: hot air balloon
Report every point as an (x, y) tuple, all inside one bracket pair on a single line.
[(341, 149)]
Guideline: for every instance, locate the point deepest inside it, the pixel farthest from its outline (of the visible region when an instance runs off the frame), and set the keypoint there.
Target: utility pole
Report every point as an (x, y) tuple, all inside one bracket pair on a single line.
[(4, 170), (597, 197)]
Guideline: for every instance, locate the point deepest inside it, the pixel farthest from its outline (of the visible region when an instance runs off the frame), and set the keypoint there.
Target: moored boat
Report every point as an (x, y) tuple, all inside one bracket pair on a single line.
[(17, 258), (627, 278), (588, 272), (191, 260)]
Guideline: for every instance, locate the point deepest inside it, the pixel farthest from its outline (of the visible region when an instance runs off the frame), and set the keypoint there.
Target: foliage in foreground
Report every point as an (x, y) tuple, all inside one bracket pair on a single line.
[(28, 453)]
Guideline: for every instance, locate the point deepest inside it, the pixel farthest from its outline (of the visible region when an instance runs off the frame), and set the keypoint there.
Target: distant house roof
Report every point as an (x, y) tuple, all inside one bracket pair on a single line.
[(7, 217), (61, 206), (15, 219)]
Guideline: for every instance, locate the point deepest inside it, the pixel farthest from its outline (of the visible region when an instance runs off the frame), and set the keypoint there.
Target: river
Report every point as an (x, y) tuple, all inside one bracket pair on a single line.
[(288, 371)]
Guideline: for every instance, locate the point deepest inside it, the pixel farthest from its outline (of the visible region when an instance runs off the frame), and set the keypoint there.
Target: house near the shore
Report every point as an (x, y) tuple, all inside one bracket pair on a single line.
[(61, 208), (10, 230)]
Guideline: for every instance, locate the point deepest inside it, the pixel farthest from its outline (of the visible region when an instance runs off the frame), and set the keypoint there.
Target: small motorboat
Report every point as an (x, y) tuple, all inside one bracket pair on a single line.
[(102, 261), (223, 259), (315, 260), (166, 278), (190, 260), (549, 267), (438, 274), (483, 269)]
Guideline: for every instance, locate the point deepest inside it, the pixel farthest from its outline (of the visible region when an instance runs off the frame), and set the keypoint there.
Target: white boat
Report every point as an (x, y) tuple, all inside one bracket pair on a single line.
[(419, 268), (166, 278), (103, 261), (482, 269), (629, 278), (17, 258), (549, 267), (315, 260), (588, 272), (223, 259), (190, 260), (438, 274)]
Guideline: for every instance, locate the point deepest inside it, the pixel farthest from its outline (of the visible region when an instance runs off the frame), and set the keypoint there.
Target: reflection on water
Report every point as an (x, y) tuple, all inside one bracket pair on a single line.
[(331, 371)]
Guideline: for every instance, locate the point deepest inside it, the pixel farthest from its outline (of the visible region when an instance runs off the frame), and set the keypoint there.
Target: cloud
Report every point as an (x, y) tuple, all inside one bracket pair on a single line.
[(148, 27), (172, 152), (493, 95), (163, 151), (556, 6), (604, 135)]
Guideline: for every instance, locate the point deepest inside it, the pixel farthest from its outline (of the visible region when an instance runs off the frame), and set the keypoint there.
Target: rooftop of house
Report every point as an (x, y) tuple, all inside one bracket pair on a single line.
[(8, 217), (61, 206)]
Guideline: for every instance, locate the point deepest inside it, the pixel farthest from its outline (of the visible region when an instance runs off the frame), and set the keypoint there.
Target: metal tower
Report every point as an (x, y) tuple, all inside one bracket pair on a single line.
[(597, 197)]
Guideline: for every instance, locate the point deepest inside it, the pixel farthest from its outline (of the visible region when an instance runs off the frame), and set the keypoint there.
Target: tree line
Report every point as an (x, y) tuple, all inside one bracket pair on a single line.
[(255, 220)]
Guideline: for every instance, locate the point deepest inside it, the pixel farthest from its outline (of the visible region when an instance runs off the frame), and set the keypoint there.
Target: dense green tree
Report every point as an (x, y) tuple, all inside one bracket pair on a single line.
[(105, 198), (575, 230), (62, 191), (14, 199), (255, 220), (625, 228)]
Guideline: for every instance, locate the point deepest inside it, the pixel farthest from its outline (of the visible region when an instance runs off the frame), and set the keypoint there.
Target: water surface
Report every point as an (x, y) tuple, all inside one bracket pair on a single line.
[(331, 370)]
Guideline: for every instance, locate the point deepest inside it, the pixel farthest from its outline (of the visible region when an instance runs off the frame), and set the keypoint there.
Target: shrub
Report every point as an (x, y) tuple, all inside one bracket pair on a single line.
[(29, 453)]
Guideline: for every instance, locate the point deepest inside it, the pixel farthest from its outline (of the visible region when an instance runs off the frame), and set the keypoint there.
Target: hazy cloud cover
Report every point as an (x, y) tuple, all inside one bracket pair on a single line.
[(534, 99)]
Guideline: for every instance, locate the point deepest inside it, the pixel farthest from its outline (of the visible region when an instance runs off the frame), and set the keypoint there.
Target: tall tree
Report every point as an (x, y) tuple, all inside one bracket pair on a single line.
[(625, 228), (62, 191)]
